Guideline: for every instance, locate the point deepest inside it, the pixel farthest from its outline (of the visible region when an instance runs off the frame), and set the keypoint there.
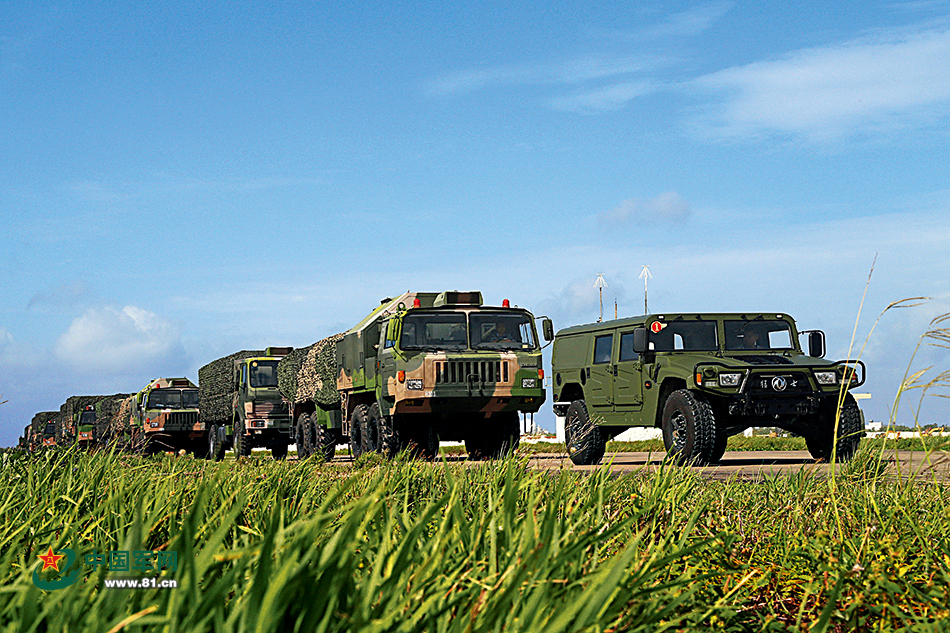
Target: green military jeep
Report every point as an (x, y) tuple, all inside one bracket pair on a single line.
[(701, 378)]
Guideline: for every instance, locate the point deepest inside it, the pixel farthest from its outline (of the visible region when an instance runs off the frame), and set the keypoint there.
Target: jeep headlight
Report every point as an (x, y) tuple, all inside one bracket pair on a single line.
[(730, 380), (826, 377)]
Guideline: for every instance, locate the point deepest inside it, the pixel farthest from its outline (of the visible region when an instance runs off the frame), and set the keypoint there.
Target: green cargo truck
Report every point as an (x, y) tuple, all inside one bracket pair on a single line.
[(702, 378), (241, 405), (426, 366), (46, 429), (165, 418), (78, 415)]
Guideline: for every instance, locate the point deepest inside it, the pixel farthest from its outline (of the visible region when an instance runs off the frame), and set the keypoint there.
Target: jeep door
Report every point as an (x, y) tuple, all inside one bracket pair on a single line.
[(600, 380), (628, 381)]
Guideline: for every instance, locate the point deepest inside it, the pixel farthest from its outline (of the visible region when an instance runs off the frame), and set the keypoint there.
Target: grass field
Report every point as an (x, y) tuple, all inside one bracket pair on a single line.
[(407, 546)]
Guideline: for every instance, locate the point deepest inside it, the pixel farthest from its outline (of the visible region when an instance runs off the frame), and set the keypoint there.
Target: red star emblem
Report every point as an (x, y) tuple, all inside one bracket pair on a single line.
[(50, 560)]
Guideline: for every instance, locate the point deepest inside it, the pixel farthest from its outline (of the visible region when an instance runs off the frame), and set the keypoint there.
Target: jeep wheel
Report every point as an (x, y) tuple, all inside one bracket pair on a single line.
[(357, 424), (585, 441), (326, 441), (719, 448), (371, 430), (215, 446), (689, 428), (242, 444), (850, 430)]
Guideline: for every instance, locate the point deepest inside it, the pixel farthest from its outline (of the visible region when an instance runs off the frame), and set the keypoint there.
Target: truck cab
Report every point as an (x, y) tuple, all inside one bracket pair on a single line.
[(166, 414), (85, 424), (261, 416)]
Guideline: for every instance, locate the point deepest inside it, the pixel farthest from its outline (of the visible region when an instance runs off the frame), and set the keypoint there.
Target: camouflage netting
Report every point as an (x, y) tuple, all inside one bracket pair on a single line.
[(108, 420), (77, 403), (40, 419), (215, 387), (309, 373)]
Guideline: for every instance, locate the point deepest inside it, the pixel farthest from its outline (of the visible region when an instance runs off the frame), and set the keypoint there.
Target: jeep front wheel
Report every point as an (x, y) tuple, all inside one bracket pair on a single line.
[(585, 441), (689, 428), (850, 429)]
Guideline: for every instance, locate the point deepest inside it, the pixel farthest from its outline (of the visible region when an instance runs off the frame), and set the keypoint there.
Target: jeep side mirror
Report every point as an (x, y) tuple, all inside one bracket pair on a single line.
[(816, 344), (547, 329), (640, 340)]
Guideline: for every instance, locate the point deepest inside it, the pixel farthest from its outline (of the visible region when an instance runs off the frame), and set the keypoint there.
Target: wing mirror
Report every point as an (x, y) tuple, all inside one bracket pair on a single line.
[(547, 329), (816, 344)]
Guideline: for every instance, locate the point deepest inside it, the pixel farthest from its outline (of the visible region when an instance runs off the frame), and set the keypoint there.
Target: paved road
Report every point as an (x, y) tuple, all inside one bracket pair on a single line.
[(754, 465)]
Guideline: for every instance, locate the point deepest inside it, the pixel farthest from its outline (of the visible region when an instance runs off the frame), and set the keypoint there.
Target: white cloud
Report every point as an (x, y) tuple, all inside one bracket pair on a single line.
[(5, 339), (666, 208), (604, 98), (116, 340), (691, 22), (860, 87)]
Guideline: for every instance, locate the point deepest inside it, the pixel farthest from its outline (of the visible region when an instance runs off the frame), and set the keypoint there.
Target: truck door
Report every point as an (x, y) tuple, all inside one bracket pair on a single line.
[(628, 381), (599, 390), (384, 358)]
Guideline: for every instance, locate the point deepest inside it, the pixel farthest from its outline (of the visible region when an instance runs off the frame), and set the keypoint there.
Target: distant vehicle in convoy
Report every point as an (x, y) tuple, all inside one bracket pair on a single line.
[(78, 417), (86, 435), (241, 405), (165, 418), (426, 366), (47, 430), (702, 378)]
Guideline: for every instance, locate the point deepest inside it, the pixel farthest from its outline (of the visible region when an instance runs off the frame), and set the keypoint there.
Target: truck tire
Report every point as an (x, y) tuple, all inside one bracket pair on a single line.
[(850, 430), (279, 451), (357, 423), (389, 437), (689, 428), (215, 446), (242, 445), (302, 436), (371, 430), (422, 441), (586, 443), (326, 441)]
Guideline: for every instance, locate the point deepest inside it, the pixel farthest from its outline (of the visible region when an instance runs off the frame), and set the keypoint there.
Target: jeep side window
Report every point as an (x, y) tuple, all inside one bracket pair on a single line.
[(626, 348), (602, 347)]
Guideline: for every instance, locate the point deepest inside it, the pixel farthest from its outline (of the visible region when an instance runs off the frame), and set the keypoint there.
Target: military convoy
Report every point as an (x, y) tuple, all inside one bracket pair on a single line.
[(424, 367), (702, 378)]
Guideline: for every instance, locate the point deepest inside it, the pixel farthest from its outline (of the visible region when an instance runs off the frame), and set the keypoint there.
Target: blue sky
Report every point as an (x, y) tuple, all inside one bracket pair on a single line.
[(183, 180)]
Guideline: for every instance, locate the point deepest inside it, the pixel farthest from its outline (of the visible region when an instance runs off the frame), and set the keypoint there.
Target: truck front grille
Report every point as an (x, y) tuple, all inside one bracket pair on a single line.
[(186, 418), (466, 371)]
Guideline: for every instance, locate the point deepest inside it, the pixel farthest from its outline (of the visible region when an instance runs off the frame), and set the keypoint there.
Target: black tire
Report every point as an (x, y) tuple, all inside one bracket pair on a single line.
[(302, 435), (279, 451), (689, 428), (390, 442), (215, 445), (497, 436), (421, 440), (371, 430), (242, 444), (326, 441), (850, 431), (586, 442), (357, 423), (719, 447)]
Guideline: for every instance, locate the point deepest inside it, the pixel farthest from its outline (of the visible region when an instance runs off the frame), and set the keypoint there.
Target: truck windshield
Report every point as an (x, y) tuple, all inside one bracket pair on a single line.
[(164, 399), (501, 330), (687, 336), (50, 429), (189, 399), (760, 334), (87, 417), (434, 331), (263, 373)]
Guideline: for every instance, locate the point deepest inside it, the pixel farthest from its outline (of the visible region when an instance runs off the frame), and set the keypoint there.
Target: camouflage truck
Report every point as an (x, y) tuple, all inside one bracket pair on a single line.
[(164, 417), (702, 378), (306, 378), (46, 429), (78, 415), (26, 439), (241, 405), (426, 366)]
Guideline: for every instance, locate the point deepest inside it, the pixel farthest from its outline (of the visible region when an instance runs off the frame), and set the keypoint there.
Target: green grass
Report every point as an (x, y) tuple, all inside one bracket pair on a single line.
[(408, 546)]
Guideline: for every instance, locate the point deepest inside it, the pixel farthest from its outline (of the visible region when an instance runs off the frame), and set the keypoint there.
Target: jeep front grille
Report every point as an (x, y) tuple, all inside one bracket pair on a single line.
[(465, 371), (188, 418)]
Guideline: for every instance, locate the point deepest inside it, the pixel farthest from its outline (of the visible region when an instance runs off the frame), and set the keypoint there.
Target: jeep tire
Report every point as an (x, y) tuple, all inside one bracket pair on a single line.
[(586, 443), (820, 441), (689, 429)]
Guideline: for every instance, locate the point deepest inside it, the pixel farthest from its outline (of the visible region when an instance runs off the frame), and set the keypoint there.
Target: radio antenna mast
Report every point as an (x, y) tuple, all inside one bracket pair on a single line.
[(645, 276), (600, 284)]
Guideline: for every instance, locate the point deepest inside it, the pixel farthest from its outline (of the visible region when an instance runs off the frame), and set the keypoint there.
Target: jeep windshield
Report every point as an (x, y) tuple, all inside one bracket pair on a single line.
[(758, 334), (434, 331), (501, 331), (685, 336), (263, 373)]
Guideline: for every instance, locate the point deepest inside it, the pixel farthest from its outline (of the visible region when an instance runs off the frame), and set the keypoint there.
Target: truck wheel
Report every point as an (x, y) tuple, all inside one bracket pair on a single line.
[(215, 447), (371, 430), (585, 441), (326, 441), (389, 436), (849, 432), (422, 441), (302, 435), (689, 428), (242, 444), (357, 423), (279, 451)]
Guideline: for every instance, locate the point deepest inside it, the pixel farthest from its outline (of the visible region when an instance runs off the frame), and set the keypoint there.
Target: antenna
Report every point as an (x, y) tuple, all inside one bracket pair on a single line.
[(645, 275), (600, 284)]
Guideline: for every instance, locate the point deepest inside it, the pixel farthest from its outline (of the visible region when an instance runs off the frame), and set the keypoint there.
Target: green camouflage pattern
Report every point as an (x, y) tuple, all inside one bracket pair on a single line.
[(774, 386), (165, 419)]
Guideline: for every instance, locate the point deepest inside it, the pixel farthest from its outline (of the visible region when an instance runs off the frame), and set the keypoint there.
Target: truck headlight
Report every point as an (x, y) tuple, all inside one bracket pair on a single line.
[(730, 380), (826, 377)]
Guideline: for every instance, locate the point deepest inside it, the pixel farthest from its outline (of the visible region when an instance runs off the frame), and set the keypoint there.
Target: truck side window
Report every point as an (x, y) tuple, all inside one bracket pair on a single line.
[(602, 347), (626, 348)]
